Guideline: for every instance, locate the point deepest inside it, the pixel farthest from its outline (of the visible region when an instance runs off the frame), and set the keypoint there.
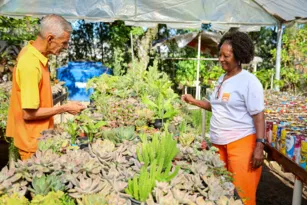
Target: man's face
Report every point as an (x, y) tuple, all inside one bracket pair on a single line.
[(57, 45)]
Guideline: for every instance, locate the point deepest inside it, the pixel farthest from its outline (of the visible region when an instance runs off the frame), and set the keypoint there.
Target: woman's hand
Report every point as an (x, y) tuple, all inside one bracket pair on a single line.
[(257, 158), (187, 98)]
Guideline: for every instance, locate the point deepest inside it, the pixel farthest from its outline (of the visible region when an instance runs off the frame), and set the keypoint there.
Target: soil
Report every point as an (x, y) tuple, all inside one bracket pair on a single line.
[(276, 186)]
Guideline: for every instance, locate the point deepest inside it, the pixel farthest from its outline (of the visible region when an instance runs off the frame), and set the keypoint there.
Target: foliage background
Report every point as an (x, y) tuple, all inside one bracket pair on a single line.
[(110, 44)]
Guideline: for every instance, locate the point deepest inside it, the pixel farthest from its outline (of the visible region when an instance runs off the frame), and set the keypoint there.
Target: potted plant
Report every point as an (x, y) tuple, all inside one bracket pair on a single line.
[(162, 107)]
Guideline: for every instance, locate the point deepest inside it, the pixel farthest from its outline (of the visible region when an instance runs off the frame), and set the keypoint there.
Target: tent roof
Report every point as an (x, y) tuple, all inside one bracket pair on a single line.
[(209, 41), (174, 13)]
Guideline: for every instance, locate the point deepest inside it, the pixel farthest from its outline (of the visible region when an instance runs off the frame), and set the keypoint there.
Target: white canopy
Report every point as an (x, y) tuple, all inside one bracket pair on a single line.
[(175, 13), (246, 14)]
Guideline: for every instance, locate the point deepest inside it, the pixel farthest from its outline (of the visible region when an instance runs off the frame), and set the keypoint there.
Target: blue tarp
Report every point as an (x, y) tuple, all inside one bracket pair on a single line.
[(76, 75)]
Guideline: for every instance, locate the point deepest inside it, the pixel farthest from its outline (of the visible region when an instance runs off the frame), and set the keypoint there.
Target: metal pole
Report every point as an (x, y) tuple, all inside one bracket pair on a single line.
[(278, 54), (297, 192), (198, 67), (203, 124), (272, 79), (203, 59), (255, 67), (132, 53)]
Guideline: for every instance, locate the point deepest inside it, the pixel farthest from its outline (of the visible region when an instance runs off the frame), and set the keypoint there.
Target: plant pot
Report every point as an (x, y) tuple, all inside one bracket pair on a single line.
[(82, 134), (136, 202), (32, 195), (158, 123), (83, 142)]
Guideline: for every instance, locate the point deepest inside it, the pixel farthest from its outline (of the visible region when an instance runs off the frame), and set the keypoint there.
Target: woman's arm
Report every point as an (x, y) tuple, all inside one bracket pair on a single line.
[(199, 103), (258, 156)]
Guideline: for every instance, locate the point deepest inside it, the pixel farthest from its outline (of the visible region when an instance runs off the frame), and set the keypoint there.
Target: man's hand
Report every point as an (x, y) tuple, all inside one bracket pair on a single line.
[(187, 98), (74, 107)]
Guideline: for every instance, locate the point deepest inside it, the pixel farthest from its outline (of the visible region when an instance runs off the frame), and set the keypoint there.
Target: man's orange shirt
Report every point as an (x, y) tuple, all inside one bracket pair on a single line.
[(31, 90)]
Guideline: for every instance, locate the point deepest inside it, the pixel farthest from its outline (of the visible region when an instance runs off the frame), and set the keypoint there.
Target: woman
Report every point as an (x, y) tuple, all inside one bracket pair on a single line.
[(237, 123)]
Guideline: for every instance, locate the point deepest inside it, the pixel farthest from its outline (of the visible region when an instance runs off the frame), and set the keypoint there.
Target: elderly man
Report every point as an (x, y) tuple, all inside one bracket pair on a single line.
[(31, 105)]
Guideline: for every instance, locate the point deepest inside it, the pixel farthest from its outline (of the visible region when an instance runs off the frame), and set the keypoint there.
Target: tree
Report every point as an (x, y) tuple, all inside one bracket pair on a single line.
[(13, 34)]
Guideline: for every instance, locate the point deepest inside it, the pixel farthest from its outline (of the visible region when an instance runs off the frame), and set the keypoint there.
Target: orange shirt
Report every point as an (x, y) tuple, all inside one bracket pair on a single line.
[(31, 89)]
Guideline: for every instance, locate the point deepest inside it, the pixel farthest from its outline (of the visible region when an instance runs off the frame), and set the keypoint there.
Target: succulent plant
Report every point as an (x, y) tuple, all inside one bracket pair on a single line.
[(141, 186), (161, 148), (85, 185), (45, 184), (43, 162), (186, 139), (117, 199), (13, 199), (92, 199), (12, 182), (52, 198), (77, 161), (57, 142), (228, 201)]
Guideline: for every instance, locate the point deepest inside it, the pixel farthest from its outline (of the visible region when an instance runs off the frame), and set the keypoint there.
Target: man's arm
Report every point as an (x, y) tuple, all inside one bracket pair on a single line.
[(44, 113)]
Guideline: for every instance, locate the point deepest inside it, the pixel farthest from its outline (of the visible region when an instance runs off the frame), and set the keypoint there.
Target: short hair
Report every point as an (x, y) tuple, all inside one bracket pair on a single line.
[(54, 24), (242, 46)]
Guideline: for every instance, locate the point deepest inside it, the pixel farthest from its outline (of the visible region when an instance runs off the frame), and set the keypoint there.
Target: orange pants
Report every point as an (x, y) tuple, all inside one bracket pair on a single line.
[(24, 155), (237, 157)]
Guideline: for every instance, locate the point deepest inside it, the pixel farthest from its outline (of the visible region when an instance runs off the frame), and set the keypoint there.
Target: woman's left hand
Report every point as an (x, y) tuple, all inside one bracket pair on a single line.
[(257, 158)]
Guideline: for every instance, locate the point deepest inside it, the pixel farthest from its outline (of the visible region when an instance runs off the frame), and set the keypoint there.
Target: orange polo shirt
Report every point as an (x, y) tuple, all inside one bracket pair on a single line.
[(31, 90)]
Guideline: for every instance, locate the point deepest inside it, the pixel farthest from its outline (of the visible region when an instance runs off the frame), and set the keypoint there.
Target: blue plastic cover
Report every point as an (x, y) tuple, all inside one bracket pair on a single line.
[(76, 75)]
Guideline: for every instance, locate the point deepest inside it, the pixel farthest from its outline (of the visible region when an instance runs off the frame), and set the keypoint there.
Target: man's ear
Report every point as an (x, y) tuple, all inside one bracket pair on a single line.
[(50, 37)]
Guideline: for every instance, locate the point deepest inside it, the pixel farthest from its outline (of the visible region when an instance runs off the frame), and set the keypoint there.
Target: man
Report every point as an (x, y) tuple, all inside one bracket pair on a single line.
[(31, 105)]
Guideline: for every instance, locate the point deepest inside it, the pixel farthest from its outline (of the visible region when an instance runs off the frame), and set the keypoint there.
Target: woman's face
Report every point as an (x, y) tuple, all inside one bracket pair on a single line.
[(227, 58)]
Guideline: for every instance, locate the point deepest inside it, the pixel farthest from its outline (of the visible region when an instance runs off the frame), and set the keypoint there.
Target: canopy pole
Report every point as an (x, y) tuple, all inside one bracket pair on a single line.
[(272, 79), (297, 192), (278, 55), (198, 68)]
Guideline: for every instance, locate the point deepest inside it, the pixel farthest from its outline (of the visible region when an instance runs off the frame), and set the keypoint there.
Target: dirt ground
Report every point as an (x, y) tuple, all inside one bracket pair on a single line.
[(276, 186)]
